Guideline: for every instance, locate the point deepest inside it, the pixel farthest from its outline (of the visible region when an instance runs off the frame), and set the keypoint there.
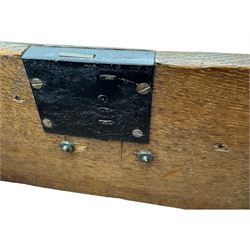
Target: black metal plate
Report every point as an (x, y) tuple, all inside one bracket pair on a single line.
[(69, 98)]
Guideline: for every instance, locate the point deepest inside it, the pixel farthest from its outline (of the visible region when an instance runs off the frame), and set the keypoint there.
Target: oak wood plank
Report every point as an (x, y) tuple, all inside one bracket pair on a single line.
[(10, 49), (199, 135), (203, 60)]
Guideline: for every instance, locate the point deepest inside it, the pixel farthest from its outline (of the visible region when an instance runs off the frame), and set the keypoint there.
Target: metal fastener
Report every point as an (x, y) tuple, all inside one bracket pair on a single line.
[(137, 133), (36, 83), (145, 156), (67, 146), (47, 123), (143, 88)]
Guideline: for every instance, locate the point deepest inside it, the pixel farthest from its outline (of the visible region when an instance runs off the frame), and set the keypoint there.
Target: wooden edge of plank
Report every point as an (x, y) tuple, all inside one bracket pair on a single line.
[(171, 59), (12, 49), (203, 60)]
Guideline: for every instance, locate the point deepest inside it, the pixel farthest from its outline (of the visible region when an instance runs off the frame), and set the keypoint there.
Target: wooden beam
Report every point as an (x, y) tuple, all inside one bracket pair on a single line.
[(199, 135)]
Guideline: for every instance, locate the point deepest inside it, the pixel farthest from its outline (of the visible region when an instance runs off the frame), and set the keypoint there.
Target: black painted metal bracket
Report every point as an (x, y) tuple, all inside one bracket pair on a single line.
[(97, 93)]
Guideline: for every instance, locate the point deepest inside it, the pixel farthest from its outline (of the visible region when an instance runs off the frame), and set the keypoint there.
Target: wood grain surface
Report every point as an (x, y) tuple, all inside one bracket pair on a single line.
[(199, 135)]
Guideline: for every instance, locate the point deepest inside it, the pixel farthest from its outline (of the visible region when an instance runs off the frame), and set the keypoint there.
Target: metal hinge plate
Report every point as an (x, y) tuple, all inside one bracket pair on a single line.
[(97, 93)]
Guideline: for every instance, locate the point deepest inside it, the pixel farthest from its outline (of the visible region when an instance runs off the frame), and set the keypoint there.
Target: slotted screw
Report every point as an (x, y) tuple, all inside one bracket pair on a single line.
[(137, 133), (143, 88), (36, 83), (47, 123)]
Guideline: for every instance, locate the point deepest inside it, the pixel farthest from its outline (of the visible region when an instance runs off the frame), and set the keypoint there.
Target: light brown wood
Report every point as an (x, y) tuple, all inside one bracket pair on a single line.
[(203, 60), (200, 101)]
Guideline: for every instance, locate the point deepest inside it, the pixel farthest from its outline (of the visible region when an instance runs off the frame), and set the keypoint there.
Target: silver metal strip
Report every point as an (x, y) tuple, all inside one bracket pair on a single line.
[(91, 55)]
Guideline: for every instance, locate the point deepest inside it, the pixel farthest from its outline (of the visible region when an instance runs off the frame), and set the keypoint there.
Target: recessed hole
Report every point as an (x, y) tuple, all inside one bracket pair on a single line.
[(221, 147), (18, 98)]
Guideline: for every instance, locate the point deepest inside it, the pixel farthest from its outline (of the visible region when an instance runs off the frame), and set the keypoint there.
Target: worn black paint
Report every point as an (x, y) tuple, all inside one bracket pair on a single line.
[(80, 102)]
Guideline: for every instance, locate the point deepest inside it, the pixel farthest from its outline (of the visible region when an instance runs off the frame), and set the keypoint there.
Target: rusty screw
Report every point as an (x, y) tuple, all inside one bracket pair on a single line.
[(143, 88)]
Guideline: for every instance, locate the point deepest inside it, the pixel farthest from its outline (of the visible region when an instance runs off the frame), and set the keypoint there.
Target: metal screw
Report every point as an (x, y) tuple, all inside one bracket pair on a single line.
[(47, 123), (137, 133), (37, 83), (145, 156), (143, 88), (67, 146)]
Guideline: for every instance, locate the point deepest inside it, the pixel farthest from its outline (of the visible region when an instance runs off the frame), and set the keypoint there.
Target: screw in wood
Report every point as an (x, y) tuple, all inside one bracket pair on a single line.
[(143, 88), (137, 133), (67, 146), (145, 156), (36, 83), (47, 123)]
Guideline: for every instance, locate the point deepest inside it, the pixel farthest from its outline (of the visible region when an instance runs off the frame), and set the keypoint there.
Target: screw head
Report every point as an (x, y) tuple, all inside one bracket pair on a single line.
[(143, 88), (47, 123), (36, 83), (145, 156), (67, 146), (137, 133)]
